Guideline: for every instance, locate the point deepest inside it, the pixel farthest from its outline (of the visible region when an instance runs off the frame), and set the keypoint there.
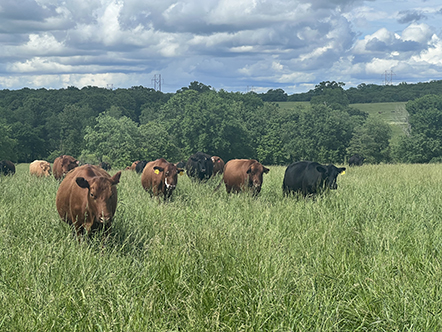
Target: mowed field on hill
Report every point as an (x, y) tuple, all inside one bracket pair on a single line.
[(367, 256), (394, 114)]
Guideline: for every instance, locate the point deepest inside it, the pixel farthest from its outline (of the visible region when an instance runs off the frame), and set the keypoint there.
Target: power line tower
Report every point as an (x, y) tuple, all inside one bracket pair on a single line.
[(388, 77), (156, 80)]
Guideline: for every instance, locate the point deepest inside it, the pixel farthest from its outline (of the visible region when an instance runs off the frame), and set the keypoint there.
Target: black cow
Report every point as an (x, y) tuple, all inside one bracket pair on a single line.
[(309, 177), (140, 166), (104, 165), (7, 167), (199, 166), (356, 160), (181, 164)]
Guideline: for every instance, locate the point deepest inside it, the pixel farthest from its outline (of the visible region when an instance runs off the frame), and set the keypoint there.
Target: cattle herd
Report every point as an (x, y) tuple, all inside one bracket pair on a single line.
[(87, 195)]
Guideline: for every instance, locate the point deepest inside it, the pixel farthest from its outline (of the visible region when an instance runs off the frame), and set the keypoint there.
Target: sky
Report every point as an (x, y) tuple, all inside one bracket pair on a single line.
[(234, 45)]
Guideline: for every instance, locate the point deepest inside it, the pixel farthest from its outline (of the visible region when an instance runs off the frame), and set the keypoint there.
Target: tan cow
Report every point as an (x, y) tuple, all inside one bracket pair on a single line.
[(218, 165), (87, 199), (160, 177), (133, 166), (62, 165), (243, 174), (40, 168)]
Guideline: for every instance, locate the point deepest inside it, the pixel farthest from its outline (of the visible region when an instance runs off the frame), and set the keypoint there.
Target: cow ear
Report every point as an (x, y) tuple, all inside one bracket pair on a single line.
[(82, 182), (265, 170), (342, 170), (321, 169), (116, 178), (249, 170), (158, 169)]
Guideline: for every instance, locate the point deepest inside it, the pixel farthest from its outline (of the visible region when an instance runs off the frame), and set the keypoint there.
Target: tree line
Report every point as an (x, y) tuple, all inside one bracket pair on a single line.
[(119, 126)]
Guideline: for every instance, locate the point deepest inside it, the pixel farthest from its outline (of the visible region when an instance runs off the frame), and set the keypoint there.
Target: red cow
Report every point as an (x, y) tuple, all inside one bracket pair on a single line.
[(133, 166), (160, 177), (218, 165), (243, 174), (62, 165), (87, 199)]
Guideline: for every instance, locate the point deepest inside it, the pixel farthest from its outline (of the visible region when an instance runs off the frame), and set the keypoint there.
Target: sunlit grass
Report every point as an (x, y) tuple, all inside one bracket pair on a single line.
[(364, 257)]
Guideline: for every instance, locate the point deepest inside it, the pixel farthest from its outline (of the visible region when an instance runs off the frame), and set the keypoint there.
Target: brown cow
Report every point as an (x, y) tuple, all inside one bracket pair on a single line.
[(87, 199), (62, 165), (40, 168), (218, 165), (133, 166), (160, 176), (243, 174)]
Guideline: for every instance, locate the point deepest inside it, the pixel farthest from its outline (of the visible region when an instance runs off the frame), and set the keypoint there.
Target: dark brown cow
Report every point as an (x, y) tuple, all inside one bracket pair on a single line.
[(218, 165), (243, 174), (62, 165), (87, 199), (160, 177)]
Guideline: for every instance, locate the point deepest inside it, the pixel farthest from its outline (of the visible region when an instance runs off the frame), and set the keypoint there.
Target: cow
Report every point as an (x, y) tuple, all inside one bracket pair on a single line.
[(160, 177), (40, 168), (199, 166), (7, 167), (356, 160), (62, 165), (140, 166), (309, 178), (218, 165), (133, 166), (181, 164), (105, 165), (87, 199), (243, 175)]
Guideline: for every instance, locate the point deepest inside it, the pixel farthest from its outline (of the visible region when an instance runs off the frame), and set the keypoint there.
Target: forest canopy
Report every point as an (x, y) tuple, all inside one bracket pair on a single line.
[(122, 125)]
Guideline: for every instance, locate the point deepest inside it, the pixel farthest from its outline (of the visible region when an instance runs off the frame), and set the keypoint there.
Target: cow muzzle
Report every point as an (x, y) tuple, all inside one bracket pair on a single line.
[(169, 186), (105, 219)]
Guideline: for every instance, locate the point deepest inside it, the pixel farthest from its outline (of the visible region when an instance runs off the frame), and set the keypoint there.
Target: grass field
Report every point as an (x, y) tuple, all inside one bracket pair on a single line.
[(394, 114), (366, 257)]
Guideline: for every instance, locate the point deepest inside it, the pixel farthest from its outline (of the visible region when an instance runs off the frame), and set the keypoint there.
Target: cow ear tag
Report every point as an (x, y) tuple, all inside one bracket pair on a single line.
[(157, 171), (343, 172), (181, 173)]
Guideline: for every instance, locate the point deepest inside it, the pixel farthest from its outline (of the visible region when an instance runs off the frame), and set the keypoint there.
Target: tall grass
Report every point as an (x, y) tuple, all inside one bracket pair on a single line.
[(364, 257)]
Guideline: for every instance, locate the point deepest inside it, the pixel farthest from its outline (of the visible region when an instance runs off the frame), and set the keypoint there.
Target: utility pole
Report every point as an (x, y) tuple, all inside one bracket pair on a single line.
[(156, 80), (388, 80)]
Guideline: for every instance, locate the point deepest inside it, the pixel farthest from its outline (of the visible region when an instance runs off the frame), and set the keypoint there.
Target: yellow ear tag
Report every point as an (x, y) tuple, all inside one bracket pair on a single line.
[(157, 171), (181, 173), (343, 172)]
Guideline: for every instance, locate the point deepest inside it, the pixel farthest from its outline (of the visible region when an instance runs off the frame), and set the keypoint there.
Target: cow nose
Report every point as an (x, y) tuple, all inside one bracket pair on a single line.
[(105, 219)]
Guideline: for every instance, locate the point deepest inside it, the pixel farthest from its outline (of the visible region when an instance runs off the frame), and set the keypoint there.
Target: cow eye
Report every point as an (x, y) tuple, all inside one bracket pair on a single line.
[(92, 195)]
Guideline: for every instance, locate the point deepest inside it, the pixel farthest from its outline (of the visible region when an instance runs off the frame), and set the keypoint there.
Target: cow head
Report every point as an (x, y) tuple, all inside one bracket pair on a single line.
[(330, 174), (204, 166), (102, 196), (255, 172), (68, 163), (46, 169), (169, 177)]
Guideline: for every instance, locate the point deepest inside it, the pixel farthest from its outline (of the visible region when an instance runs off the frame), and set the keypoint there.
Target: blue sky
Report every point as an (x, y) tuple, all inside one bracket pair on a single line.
[(235, 45)]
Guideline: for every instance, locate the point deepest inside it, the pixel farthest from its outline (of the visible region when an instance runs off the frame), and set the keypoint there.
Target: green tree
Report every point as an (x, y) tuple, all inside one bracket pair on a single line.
[(371, 140), (113, 139), (425, 140), (331, 94), (206, 122), (155, 142), (7, 143), (320, 134)]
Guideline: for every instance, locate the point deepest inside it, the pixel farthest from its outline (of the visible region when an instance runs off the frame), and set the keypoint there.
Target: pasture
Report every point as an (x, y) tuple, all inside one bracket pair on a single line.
[(393, 113), (367, 256)]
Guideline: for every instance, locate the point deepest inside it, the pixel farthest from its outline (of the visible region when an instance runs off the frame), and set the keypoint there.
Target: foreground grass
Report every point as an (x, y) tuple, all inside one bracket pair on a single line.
[(364, 257)]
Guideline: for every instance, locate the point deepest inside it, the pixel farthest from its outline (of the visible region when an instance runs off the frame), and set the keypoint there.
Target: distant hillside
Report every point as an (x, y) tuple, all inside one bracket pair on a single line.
[(392, 113)]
